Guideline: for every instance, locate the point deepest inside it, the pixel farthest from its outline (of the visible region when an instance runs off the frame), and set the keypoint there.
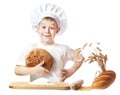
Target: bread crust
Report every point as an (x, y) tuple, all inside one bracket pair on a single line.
[(36, 56), (104, 80)]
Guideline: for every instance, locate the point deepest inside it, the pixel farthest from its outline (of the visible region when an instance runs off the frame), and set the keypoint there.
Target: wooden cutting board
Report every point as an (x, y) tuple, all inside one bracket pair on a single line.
[(27, 85)]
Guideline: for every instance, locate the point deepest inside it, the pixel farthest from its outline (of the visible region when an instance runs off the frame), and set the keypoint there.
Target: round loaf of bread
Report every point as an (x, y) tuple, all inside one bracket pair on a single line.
[(36, 56), (104, 80)]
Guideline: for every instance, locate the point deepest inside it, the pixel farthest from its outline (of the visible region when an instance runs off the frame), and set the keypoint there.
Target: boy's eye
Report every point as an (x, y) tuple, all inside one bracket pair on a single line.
[(43, 27), (52, 28)]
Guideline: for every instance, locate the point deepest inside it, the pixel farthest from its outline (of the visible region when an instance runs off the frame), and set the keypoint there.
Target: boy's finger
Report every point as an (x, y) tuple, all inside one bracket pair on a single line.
[(42, 63), (46, 71)]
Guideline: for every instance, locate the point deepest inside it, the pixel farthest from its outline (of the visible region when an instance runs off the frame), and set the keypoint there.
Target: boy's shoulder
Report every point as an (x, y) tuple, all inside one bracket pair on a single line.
[(63, 46), (32, 45)]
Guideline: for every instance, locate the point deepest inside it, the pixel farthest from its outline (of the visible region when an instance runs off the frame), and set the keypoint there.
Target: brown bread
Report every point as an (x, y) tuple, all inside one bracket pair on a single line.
[(104, 80), (36, 56)]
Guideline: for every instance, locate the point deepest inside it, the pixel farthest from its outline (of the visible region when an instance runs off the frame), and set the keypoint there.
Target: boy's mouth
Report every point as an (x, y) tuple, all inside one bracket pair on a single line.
[(47, 36)]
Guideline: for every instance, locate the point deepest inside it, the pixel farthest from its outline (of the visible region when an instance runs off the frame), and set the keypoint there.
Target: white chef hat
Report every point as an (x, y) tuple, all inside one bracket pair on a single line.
[(50, 10)]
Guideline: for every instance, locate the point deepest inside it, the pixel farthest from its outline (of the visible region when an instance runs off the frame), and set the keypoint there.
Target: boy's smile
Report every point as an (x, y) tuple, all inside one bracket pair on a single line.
[(47, 30)]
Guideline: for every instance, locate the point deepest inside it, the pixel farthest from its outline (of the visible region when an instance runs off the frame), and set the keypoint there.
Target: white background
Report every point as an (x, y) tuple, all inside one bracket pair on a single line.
[(88, 21)]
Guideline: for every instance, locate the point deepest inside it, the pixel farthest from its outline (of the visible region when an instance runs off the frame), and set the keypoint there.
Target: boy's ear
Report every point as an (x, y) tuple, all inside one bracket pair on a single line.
[(37, 27), (58, 30)]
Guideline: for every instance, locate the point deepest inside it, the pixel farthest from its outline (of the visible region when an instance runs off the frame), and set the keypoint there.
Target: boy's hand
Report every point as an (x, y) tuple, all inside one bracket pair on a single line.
[(39, 70), (65, 73)]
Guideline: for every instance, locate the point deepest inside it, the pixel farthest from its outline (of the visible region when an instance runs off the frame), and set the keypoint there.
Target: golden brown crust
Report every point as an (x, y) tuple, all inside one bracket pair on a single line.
[(101, 84), (36, 56), (108, 72), (103, 77), (104, 80)]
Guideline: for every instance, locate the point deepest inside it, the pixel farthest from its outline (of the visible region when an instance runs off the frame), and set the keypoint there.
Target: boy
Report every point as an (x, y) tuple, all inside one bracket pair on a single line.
[(49, 20)]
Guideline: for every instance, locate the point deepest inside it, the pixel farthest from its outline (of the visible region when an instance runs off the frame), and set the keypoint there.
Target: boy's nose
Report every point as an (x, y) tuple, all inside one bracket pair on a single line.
[(48, 30)]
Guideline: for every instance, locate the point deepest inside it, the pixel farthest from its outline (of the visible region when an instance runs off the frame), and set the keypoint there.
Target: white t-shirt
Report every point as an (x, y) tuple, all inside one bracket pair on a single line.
[(60, 53)]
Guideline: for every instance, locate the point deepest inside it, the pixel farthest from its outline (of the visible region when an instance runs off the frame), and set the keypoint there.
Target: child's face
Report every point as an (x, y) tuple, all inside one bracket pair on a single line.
[(47, 30)]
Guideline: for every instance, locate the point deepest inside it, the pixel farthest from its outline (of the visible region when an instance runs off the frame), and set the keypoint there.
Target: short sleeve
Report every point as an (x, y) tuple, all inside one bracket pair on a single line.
[(73, 55), (68, 53), (24, 53)]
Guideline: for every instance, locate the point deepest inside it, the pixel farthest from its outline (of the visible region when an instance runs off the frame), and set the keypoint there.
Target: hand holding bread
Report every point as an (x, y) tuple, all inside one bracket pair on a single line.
[(36, 56)]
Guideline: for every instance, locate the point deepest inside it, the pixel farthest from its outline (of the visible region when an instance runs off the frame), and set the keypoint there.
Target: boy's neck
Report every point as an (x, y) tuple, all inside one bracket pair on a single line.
[(47, 43)]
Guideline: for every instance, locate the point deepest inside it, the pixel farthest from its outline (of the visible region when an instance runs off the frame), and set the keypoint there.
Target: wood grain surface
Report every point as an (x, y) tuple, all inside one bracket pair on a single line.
[(51, 86)]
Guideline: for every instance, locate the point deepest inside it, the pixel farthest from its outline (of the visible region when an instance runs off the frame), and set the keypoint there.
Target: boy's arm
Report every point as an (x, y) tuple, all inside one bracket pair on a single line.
[(22, 70), (78, 59), (38, 70), (65, 73), (76, 65)]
